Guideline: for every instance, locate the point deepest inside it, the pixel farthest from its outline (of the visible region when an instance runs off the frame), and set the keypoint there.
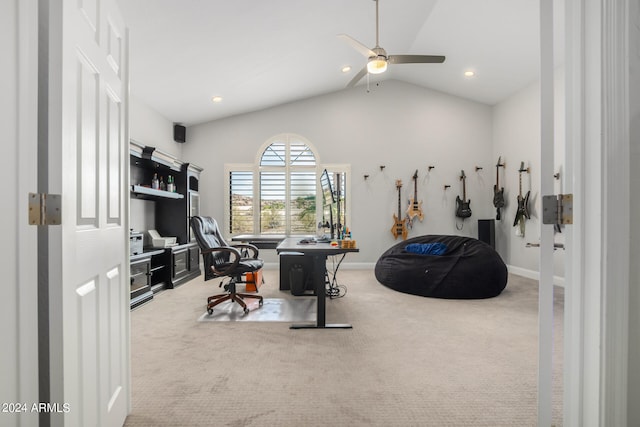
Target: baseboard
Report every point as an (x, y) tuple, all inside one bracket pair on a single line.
[(271, 266), (532, 274), (529, 274)]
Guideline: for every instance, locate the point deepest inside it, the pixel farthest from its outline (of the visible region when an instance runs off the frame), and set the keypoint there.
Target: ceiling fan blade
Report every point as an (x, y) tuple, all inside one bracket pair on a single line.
[(416, 59), (357, 45), (357, 77)]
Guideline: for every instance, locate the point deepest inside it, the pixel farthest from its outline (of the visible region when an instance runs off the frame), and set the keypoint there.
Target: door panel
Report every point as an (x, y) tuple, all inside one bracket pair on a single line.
[(114, 47), (114, 365), (89, 11), (87, 330), (87, 140), (114, 156)]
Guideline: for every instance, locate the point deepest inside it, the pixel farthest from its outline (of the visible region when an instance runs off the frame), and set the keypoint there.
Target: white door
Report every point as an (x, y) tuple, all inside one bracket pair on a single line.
[(88, 255)]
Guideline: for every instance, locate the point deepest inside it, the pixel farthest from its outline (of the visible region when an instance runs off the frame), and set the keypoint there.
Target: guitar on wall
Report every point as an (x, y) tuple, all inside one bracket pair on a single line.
[(415, 206), (463, 209), (498, 192), (399, 224), (522, 213)]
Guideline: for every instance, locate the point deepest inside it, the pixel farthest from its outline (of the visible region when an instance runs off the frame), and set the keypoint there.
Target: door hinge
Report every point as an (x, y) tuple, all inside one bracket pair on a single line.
[(45, 209), (557, 209)]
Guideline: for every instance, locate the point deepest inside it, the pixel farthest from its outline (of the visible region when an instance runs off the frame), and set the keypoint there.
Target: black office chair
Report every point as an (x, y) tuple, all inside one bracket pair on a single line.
[(223, 260)]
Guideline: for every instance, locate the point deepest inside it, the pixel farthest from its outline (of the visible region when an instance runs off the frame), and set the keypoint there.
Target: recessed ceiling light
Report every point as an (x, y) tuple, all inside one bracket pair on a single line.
[(469, 73), (346, 68), (217, 99)]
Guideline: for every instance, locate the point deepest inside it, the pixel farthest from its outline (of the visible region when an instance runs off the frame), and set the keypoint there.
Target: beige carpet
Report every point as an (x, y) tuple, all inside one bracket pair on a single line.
[(408, 361)]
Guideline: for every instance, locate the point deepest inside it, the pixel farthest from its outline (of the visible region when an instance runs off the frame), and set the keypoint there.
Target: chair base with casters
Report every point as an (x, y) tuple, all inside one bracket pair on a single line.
[(231, 295)]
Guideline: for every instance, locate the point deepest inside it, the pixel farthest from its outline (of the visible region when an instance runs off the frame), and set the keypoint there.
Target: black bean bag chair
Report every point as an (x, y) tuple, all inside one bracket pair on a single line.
[(468, 268)]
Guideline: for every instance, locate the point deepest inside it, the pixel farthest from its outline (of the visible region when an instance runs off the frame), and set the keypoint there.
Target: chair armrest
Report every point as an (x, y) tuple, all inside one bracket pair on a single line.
[(254, 249), (236, 257)]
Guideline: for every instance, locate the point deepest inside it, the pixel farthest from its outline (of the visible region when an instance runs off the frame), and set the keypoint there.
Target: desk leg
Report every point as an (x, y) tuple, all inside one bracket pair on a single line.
[(319, 274)]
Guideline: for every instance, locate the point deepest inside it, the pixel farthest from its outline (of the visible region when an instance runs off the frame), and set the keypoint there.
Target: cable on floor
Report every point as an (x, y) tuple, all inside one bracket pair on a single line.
[(332, 287)]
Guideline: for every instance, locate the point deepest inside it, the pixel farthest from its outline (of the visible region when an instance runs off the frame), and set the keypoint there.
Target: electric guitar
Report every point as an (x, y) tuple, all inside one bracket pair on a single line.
[(463, 210), (522, 212), (415, 207), (498, 192), (399, 224)]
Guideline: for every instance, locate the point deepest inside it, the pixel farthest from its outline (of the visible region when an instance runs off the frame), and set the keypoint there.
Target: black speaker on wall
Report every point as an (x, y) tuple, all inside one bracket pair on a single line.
[(179, 133), (487, 231)]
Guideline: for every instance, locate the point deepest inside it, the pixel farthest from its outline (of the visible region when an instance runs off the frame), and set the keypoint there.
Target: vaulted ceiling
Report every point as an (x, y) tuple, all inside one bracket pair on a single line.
[(257, 54)]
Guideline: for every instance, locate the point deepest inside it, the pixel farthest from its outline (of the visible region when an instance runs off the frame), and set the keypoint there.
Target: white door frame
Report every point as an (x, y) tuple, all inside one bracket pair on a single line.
[(19, 314), (546, 264), (597, 274)]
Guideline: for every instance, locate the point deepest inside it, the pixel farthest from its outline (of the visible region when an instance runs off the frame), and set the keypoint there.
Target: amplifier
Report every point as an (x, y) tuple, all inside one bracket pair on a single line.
[(487, 231)]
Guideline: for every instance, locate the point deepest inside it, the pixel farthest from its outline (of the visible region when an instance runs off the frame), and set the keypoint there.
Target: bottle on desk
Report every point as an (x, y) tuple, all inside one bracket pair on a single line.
[(347, 241)]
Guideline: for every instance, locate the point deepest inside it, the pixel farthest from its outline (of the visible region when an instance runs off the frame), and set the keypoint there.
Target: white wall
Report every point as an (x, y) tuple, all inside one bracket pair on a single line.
[(634, 284), (398, 125), (149, 127), (516, 132)]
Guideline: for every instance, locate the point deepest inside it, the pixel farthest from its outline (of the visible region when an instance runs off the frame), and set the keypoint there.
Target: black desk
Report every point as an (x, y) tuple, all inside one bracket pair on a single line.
[(260, 241), (319, 252)]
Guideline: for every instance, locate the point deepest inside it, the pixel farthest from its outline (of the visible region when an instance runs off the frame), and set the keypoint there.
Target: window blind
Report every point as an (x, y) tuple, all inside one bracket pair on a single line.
[(241, 202), (272, 203)]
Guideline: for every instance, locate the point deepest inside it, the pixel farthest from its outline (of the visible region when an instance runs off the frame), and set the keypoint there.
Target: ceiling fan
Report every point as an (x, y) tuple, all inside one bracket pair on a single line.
[(378, 59)]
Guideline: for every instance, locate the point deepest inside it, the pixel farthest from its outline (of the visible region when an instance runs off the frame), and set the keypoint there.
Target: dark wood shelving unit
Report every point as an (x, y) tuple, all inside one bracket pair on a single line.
[(173, 266)]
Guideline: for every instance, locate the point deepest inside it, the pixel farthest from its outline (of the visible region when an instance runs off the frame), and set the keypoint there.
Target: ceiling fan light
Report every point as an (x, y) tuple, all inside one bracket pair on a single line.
[(377, 65)]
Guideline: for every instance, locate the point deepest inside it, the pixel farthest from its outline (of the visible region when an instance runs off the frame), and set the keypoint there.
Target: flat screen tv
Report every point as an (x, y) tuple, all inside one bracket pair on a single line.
[(328, 195), (328, 199)]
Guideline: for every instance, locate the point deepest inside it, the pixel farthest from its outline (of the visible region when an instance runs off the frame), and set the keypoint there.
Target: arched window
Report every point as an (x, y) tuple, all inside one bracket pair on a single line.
[(279, 193), (287, 187)]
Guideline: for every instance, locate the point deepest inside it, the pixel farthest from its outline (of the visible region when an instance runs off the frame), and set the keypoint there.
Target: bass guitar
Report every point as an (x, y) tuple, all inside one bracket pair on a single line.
[(522, 212), (399, 224), (498, 192), (415, 206), (463, 209)]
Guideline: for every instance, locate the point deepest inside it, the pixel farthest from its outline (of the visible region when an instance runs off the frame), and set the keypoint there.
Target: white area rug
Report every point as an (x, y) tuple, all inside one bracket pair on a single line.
[(300, 309)]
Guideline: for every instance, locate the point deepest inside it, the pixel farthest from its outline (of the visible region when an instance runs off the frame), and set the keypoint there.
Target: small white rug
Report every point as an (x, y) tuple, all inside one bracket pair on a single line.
[(299, 309)]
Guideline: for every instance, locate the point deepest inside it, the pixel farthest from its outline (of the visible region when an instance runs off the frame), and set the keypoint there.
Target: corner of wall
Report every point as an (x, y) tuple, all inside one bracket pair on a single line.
[(151, 128)]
